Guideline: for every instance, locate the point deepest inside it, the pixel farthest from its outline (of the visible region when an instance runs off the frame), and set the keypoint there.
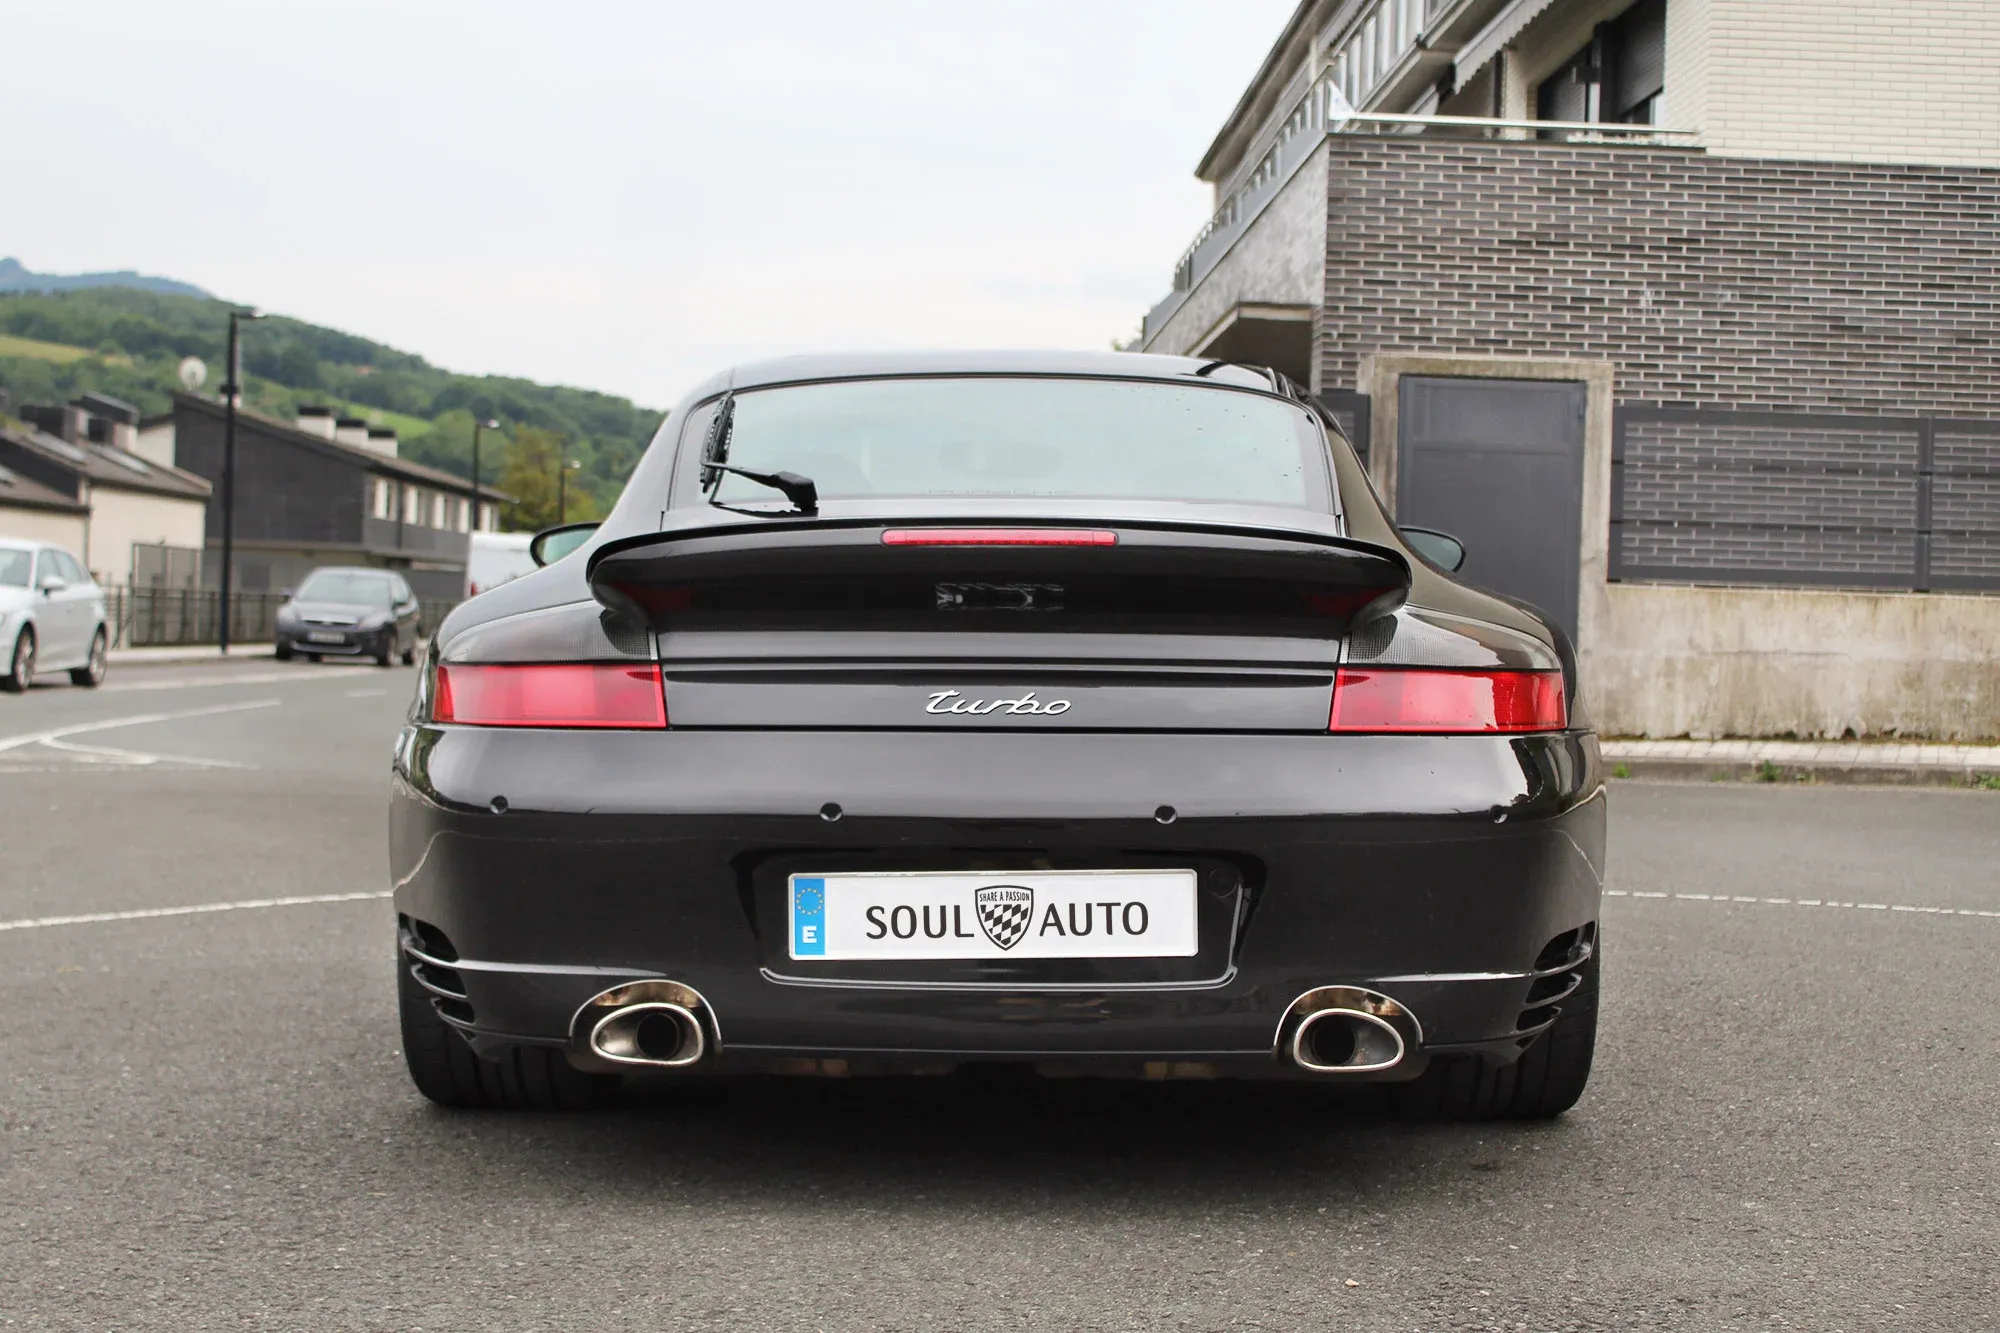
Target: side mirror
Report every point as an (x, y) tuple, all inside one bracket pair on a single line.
[(1440, 548), (53, 584), (552, 544), (286, 593)]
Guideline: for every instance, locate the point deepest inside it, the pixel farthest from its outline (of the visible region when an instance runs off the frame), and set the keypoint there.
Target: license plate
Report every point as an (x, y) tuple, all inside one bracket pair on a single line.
[(949, 914), (324, 636)]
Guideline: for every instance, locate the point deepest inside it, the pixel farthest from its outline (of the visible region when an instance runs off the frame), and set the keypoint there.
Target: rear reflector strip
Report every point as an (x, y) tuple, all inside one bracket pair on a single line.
[(553, 694), (1389, 699), (999, 537)]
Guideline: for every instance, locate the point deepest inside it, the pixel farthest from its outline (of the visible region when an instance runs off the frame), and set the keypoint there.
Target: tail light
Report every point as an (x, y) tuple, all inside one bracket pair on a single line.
[(1403, 699), (551, 694)]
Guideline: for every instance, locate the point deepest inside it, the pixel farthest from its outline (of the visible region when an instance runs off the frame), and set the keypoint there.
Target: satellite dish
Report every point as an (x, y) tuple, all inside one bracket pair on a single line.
[(193, 373)]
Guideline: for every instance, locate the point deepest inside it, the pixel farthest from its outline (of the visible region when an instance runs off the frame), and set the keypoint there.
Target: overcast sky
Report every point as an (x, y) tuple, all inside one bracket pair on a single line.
[(626, 196)]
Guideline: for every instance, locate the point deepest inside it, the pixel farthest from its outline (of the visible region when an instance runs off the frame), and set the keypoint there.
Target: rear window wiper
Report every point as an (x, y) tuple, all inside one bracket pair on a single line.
[(799, 490)]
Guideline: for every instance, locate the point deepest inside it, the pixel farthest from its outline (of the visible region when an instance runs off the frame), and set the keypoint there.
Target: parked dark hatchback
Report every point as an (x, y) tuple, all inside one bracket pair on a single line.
[(1077, 710), (357, 612)]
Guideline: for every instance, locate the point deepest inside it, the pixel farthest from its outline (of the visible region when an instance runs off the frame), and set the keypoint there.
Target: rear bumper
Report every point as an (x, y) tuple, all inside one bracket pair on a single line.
[(1436, 871)]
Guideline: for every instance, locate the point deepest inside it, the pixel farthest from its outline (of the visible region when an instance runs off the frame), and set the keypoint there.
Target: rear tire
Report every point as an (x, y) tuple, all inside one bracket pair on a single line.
[(387, 650), (283, 653), (410, 654), (20, 663), (91, 674), (1546, 1081), (310, 657), (524, 1078)]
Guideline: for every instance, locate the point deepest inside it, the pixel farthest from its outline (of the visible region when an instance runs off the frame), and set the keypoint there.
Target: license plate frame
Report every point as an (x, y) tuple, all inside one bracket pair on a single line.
[(325, 636), (938, 916)]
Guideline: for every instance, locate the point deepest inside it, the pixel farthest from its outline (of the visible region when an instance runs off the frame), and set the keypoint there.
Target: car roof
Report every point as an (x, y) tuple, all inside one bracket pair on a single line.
[(868, 365)]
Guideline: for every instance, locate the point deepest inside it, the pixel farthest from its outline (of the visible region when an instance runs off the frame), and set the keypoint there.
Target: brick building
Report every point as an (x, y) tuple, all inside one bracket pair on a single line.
[(1684, 313)]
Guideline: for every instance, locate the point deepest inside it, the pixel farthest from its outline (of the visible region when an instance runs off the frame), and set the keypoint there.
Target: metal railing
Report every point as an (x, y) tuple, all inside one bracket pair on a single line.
[(1808, 499), (160, 617)]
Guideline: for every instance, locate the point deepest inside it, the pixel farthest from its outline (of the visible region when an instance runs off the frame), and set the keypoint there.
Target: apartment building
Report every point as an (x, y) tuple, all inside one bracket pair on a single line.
[(1683, 313), (325, 490)]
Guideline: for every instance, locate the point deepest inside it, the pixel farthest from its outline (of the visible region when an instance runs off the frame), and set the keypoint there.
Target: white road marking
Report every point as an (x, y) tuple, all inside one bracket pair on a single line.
[(57, 738), (145, 913), (131, 720), (364, 694), (1804, 902)]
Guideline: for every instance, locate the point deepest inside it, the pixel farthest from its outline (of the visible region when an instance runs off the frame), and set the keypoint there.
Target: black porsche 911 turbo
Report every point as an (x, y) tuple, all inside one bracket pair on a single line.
[(1079, 711)]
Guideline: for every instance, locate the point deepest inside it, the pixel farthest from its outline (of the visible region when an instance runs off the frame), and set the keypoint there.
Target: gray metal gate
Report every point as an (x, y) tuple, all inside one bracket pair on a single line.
[(1498, 464)]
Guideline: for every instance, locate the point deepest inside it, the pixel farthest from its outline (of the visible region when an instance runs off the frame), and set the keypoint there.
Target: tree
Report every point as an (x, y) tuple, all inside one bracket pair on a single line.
[(529, 475)]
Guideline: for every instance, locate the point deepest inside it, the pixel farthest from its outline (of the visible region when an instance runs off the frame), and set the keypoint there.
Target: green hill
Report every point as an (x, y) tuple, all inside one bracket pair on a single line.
[(129, 343)]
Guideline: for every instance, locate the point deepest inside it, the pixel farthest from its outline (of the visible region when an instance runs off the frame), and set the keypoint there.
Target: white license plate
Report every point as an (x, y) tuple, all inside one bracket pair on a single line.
[(324, 636), (994, 914)]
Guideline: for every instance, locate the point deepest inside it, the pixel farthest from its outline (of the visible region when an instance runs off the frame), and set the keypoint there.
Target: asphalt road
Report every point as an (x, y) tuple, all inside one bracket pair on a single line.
[(204, 1121)]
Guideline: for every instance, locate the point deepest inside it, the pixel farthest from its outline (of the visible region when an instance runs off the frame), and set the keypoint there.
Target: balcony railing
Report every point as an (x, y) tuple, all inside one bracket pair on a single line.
[(1323, 110)]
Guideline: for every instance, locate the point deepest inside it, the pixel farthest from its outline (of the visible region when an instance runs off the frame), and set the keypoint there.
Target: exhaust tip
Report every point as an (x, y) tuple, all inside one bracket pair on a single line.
[(654, 1033), (1345, 1041), (1346, 1030)]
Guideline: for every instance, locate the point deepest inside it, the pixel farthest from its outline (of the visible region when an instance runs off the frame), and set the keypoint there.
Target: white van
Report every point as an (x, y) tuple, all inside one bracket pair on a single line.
[(496, 558)]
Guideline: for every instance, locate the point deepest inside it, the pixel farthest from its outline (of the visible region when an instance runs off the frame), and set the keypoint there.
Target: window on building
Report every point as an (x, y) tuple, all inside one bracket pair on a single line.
[(462, 513), (1617, 76), (381, 502), (437, 511), (413, 505), (489, 518)]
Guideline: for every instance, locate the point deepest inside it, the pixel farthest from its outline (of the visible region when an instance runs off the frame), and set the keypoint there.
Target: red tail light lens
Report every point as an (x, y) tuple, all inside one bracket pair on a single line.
[(998, 537), (553, 694), (1409, 700)]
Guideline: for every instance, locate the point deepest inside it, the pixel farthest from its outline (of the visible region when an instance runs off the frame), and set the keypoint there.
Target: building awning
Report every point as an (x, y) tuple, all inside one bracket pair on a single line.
[(1491, 39)]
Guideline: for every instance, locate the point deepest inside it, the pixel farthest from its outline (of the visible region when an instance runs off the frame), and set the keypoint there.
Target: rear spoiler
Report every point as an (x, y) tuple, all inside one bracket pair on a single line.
[(852, 573)]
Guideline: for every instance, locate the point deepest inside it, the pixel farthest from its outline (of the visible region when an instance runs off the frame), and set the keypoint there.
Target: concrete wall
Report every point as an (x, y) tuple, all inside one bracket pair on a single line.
[(1279, 260), (1703, 662), (118, 519), (42, 525)]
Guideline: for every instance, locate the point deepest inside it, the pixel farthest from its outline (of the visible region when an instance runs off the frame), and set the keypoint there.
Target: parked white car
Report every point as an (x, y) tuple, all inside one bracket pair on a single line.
[(51, 616), (496, 558)]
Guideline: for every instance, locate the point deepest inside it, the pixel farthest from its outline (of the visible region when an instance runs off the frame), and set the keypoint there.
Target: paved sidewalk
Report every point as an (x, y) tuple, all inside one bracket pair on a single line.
[(1807, 761)]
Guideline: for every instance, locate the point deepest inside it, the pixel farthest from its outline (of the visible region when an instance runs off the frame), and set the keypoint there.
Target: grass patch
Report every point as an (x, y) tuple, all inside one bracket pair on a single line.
[(1621, 770), (1768, 772), (1987, 782), (36, 350)]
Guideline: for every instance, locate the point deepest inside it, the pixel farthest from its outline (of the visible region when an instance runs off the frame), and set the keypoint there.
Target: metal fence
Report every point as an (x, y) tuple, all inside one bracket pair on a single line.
[(156, 617), (1808, 499)]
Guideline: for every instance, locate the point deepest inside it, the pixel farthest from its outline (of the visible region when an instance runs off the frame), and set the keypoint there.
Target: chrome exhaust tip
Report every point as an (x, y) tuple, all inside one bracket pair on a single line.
[(1346, 1030), (1345, 1041), (656, 1033), (643, 1024)]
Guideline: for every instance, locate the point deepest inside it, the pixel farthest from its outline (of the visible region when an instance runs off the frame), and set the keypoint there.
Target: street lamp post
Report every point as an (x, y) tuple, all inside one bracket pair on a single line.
[(563, 470), (477, 426), (232, 387)]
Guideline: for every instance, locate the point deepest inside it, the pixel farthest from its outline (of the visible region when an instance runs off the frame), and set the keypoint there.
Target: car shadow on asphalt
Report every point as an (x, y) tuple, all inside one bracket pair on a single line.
[(968, 1135)]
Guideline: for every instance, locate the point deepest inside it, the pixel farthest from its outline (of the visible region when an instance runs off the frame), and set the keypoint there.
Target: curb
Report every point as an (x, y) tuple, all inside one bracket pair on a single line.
[(1832, 775), (182, 656)]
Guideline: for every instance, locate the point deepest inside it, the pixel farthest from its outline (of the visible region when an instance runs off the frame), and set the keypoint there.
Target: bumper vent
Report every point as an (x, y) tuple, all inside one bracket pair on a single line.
[(429, 955), (1558, 973)]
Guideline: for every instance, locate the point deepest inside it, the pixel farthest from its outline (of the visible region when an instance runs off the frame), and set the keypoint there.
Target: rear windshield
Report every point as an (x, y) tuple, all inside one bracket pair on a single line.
[(1025, 437), (338, 585), (14, 568)]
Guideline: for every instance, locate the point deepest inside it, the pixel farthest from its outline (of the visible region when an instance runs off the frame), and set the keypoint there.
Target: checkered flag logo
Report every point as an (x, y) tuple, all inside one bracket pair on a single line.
[(1004, 912)]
